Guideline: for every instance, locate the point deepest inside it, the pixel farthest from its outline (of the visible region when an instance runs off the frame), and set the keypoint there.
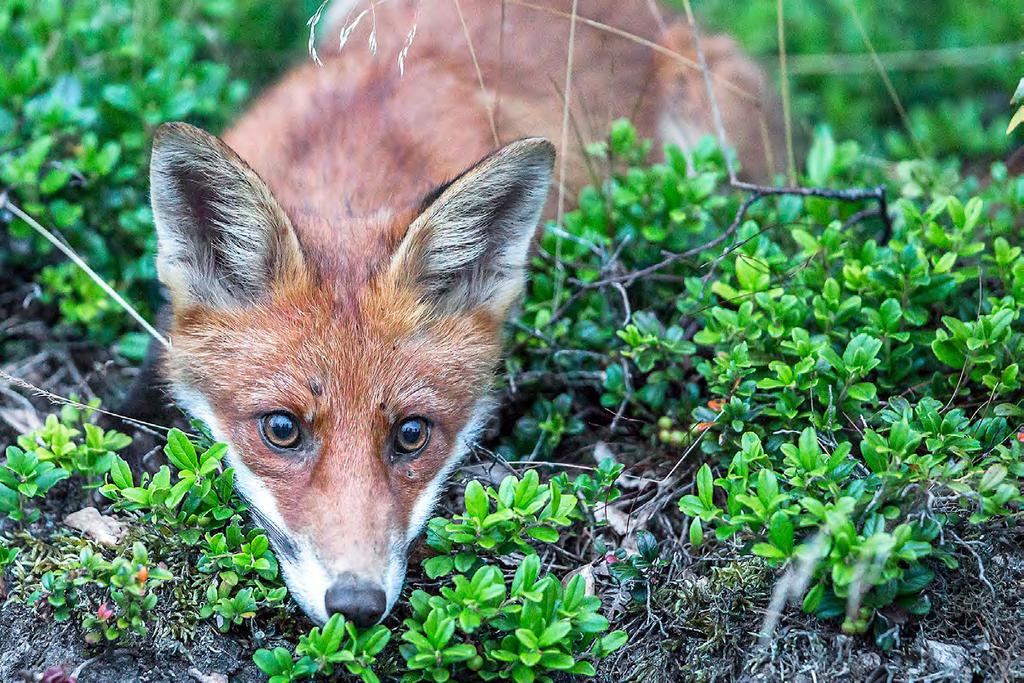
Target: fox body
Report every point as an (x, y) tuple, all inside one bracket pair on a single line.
[(340, 266)]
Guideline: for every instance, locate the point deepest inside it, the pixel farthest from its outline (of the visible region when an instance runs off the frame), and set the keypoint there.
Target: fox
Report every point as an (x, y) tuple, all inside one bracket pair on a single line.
[(339, 266)]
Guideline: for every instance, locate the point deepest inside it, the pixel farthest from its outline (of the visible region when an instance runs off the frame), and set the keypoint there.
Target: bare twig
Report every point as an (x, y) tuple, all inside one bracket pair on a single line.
[(977, 558), (853, 194), (863, 214), (564, 146), (850, 194), (758, 192), (61, 400), (566, 103), (716, 114)]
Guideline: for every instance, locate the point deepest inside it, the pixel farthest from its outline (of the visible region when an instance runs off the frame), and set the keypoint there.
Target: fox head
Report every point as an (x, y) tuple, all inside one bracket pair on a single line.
[(347, 367)]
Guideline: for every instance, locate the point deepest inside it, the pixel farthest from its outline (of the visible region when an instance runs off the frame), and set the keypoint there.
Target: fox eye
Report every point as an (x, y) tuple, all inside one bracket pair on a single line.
[(412, 435), (280, 429)]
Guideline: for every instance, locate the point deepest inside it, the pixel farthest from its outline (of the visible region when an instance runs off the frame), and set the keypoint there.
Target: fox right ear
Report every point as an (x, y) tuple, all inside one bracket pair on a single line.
[(223, 240), (468, 248)]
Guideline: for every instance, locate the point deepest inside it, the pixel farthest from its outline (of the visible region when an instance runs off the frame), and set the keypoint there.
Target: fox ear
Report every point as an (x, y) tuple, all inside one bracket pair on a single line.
[(223, 241), (469, 246)]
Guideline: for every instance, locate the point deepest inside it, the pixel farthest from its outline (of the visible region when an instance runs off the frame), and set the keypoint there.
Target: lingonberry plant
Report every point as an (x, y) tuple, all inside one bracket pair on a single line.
[(846, 388), (852, 383)]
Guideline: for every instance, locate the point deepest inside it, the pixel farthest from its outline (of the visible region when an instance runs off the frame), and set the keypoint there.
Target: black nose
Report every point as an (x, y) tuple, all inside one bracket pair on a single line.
[(358, 600)]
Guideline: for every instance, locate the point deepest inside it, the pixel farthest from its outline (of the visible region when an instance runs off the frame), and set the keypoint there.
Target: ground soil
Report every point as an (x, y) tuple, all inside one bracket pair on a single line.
[(701, 625)]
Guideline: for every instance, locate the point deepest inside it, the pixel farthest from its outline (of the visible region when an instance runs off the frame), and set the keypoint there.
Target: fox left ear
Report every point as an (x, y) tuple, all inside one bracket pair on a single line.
[(223, 240), (469, 246)]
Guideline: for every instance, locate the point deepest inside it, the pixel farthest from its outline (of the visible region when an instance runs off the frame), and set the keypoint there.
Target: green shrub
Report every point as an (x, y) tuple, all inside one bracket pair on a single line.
[(24, 476), (852, 387), (523, 511), (82, 87), (523, 631), (322, 651), (940, 96), (131, 584), (191, 520), (479, 624), (187, 511), (895, 363)]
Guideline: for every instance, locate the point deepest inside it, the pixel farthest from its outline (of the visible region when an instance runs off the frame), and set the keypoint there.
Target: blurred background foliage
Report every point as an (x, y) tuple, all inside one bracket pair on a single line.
[(84, 82), (954, 65)]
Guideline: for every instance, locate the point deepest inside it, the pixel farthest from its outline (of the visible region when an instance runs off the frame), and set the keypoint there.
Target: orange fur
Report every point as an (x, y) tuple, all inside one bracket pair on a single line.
[(333, 326)]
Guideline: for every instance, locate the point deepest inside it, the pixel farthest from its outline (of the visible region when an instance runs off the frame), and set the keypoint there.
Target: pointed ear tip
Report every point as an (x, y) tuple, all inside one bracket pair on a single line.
[(177, 131), (539, 149)]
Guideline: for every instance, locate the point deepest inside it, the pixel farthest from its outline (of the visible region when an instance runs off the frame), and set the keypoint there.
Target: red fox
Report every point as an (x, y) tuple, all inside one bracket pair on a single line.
[(340, 266)]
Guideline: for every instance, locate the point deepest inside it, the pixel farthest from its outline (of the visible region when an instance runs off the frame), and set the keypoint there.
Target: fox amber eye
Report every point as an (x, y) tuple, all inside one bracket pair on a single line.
[(412, 435), (281, 430)]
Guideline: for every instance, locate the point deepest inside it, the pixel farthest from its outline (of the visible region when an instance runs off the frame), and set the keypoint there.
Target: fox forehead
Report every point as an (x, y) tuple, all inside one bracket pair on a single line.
[(306, 344)]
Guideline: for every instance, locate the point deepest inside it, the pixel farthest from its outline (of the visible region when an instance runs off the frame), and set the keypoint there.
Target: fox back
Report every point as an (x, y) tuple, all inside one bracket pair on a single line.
[(340, 266)]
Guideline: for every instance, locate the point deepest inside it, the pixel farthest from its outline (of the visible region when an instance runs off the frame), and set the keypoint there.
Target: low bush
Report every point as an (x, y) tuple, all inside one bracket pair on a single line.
[(852, 385), (82, 87), (855, 391), (828, 394), (186, 520)]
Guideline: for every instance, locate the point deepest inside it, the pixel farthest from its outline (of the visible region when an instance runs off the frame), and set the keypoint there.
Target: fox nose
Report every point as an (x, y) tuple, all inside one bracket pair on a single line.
[(358, 600)]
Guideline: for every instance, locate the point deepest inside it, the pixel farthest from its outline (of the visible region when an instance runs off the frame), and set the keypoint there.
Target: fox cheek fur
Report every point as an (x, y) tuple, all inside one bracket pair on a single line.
[(275, 317)]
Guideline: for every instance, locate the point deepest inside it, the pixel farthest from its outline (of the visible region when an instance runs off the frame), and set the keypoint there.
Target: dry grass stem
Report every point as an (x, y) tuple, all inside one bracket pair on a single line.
[(885, 78), (5, 202), (479, 74), (784, 79)]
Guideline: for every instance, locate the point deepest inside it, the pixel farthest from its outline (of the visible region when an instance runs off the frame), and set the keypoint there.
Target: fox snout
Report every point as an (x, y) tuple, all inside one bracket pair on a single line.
[(361, 601)]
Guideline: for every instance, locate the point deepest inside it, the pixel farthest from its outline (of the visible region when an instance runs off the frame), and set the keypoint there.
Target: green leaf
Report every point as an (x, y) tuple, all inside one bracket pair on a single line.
[(1016, 120), (376, 639), (813, 598), (558, 661), (821, 157), (522, 674), (705, 486), (696, 532), (271, 662), (180, 451), (613, 641), (993, 476), (781, 532), (527, 637), (768, 551), (543, 534), (8, 499), (554, 633), (863, 391), (947, 352), (435, 567), (753, 275), (476, 500), (121, 473)]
